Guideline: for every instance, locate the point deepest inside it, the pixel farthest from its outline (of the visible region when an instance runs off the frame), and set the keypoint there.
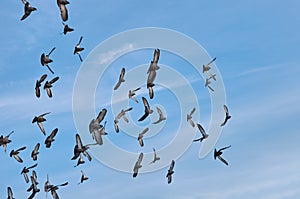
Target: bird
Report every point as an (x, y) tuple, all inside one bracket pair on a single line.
[(207, 82), (25, 170), (217, 154), (121, 79), (35, 152), (63, 9), (53, 188), (202, 131), (80, 148), (10, 193), (131, 94), (80, 161), (39, 119), (155, 158), (96, 129), (45, 60), (38, 84), (5, 140), (227, 117), (83, 177), (120, 115), (161, 116), (170, 172), (137, 165), (50, 138), (14, 153), (147, 109), (78, 49), (27, 9), (153, 65), (140, 137), (33, 187), (189, 117), (207, 66), (150, 83), (67, 28), (48, 86)]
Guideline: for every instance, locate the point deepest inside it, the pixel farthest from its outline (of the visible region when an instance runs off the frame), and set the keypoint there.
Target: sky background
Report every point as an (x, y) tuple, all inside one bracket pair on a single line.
[(257, 48)]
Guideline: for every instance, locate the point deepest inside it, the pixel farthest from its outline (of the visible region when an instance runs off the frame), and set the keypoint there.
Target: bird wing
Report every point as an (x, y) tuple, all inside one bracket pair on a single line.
[(140, 139), (9, 193), (151, 93), (51, 51), (49, 92), (40, 124), (42, 115), (225, 148), (53, 133), (63, 11), (21, 149), (156, 55), (125, 119), (116, 127), (223, 160), (43, 77), (98, 137), (172, 165), (151, 77), (169, 178), (192, 123), (192, 111), (78, 141), (144, 116), (201, 129), (226, 109), (50, 69), (32, 166), (136, 89), (86, 154), (18, 158), (53, 80), (101, 115), (54, 194)]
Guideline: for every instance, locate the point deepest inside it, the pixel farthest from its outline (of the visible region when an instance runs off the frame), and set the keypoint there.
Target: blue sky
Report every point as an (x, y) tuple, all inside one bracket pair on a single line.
[(257, 48)]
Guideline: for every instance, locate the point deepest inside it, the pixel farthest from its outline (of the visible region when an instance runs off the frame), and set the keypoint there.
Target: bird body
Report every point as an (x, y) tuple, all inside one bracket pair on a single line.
[(170, 172), (189, 117), (137, 165), (27, 9), (147, 109)]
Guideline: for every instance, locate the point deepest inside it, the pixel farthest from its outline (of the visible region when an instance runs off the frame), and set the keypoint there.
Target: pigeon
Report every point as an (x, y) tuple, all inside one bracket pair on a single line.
[(217, 154), (131, 94), (202, 131), (120, 115), (207, 66), (153, 65), (5, 140), (189, 117), (227, 117), (34, 183), (63, 9), (137, 165), (10, 193), (170, 172), (161, 116), (207, 82), (48, 86), (78, 49), (35, 152), (38, 85), (147, 109), (53, 188), (155, 158), (80, 148), (27, 9), (50, 138), (80, 161), (67, 28), (15, 154), (96, 129), (121, 79), (33, 187), (45, 60), (83, 177), (140, 137), (25, 170), (39, 119)]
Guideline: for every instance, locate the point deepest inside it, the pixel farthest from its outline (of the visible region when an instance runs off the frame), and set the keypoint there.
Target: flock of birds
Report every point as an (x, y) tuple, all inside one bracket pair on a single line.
[(97, 125)]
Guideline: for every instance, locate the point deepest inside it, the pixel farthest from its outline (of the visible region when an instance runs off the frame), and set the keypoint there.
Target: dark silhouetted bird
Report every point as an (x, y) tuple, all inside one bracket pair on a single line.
[(147, 109), (35, 152), (67, 28), (155, 158), (137, 165), (38, 84), (78, 49), (25, 170), (217, 154), (227, 117), (50, 138), (140, 137), (170, 172), (14, 154), (5, 140), (161, 116), (63, 9), (45, 60), (189, 117), (27, 9), (202, 131), (48, 86), (121, 79), (39, 119)]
